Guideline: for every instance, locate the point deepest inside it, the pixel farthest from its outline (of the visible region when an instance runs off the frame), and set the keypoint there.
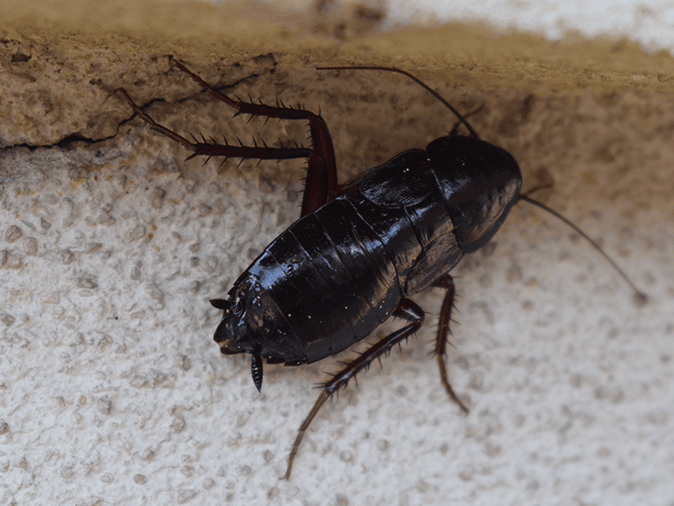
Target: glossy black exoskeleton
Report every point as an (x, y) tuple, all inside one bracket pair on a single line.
[(360, 250), (343, 269)]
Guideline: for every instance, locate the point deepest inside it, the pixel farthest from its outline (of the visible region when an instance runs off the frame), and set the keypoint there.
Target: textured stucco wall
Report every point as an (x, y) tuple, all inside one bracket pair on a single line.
[(111, 390)]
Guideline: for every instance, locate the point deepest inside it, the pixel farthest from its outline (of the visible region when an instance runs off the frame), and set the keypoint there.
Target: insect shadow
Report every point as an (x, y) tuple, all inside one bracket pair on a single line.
[(361, 249)]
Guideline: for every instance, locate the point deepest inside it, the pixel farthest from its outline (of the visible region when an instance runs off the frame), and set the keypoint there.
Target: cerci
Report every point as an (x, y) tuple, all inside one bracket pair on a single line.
[(360, 250)]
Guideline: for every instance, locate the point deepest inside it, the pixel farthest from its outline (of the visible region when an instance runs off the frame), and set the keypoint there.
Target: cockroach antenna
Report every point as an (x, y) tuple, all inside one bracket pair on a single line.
[(639, 296)]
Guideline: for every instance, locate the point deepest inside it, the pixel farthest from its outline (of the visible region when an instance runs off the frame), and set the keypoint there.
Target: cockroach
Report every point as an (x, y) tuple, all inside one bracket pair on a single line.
[(361, 249)]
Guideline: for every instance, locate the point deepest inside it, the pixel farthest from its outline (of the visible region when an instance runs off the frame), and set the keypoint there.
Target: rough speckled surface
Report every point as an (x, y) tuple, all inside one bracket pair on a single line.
[(112, 391)]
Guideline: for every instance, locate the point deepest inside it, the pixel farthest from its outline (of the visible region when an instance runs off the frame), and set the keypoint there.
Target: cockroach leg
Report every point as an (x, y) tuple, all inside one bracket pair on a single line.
[(407, 310), (446, 282), (321, 182)]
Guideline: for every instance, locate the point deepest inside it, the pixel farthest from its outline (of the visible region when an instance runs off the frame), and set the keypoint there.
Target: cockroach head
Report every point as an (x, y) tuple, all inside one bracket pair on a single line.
[(480, 183)]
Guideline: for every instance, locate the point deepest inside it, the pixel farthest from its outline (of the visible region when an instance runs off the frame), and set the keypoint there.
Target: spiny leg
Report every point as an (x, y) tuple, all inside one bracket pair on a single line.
[(156, 126), (446, 282), (213, 149), (321, 182), (407, 310)]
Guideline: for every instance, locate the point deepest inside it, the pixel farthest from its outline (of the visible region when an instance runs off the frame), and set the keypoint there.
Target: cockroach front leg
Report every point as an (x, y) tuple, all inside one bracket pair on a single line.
[(321, 181)]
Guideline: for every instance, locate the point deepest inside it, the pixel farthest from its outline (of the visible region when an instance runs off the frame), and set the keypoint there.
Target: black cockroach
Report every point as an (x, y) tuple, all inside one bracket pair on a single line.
[(361, 249)]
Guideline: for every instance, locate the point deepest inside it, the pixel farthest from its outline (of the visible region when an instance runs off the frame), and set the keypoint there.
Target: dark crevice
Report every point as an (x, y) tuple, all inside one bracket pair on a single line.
[(66, 142), (69, 141)]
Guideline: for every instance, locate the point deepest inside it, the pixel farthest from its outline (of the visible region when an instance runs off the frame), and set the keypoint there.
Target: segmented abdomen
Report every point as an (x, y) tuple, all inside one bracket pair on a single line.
[(329, 275)]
